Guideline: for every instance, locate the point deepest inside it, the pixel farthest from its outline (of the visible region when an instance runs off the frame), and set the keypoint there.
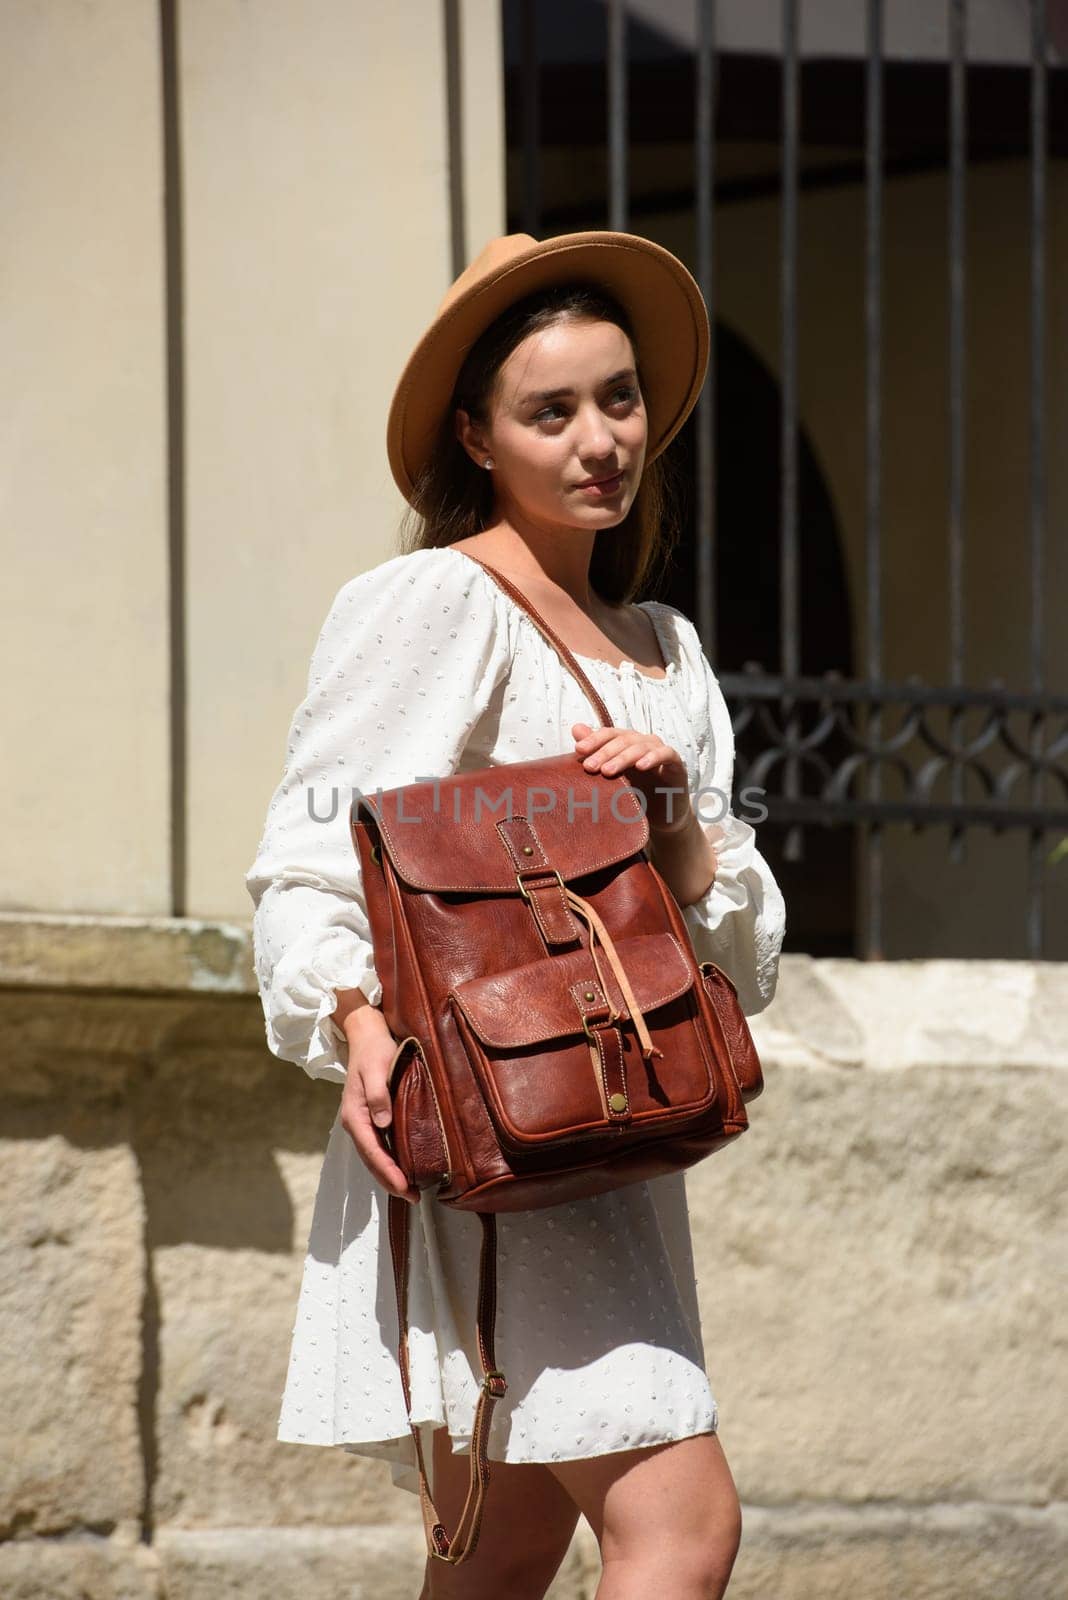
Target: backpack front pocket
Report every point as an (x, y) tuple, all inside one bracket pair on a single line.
[(557, 1055)]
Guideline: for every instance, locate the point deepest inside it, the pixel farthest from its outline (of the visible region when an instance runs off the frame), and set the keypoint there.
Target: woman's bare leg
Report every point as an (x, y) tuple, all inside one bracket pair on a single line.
[(527, 1522), (667, 1518)]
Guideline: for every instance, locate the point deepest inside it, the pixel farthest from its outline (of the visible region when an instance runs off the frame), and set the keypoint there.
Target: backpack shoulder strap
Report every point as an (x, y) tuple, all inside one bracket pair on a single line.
[(550, 633), (454, 1547)]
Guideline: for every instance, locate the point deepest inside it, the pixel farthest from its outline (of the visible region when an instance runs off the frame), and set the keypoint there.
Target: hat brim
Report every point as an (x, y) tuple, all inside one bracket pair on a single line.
[(661, 297)]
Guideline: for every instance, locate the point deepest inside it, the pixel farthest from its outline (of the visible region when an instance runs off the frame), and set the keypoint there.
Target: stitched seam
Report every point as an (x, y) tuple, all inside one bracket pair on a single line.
[(604, 1064), (723, 1036), (402, 935), (705, 1035), (604, 1075), (508, 1044), (437, 1112), (503, 824)]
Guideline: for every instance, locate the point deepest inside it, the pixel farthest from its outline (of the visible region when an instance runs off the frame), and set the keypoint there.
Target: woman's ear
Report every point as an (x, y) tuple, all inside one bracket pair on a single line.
[(470, 437)]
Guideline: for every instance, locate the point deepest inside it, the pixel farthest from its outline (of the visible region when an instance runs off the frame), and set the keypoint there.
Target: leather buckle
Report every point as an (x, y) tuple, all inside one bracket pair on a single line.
[(491, 1379), (543, 871)]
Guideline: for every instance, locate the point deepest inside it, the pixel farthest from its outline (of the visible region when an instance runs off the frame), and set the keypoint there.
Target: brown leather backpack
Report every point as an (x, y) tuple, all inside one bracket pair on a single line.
[(557, 1035)]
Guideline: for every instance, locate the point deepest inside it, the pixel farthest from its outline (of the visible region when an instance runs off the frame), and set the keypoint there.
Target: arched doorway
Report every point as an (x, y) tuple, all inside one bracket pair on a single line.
[(820, 889)]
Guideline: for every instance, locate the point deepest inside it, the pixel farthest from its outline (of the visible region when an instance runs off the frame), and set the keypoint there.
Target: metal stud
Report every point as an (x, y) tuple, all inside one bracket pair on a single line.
[(617, 1102)]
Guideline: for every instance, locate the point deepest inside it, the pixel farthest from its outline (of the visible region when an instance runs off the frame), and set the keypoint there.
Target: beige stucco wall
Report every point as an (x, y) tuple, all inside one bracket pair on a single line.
[(315, 230), (317, 245), (84, 646)]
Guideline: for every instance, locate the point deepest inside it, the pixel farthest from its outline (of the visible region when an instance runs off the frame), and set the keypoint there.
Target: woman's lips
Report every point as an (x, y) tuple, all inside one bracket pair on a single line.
[(606, 487)]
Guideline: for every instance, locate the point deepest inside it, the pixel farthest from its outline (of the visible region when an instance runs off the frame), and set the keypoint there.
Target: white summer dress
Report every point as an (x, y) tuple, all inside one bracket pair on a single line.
[(425, 666)]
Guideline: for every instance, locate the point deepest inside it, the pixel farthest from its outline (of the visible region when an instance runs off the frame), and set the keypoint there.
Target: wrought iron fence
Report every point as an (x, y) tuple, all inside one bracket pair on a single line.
[(839, 748)]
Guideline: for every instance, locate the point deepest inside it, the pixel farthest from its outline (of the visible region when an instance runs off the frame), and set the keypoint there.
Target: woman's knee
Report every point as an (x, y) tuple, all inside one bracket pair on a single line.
[(671, 1510), (701, 1571), (690, 1555)]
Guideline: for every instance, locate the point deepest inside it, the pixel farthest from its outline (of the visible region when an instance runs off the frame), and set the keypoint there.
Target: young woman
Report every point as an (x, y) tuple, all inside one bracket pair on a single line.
[(527, 430)]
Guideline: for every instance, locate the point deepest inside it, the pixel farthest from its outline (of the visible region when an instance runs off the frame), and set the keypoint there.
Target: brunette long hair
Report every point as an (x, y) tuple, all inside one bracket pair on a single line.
[(452, 499)]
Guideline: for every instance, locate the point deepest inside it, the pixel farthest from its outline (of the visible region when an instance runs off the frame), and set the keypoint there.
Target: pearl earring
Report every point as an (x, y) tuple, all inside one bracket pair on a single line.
[(489, 461)]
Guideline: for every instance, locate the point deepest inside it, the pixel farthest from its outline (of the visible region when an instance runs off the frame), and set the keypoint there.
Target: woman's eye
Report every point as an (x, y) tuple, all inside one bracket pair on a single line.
[(627, 391)]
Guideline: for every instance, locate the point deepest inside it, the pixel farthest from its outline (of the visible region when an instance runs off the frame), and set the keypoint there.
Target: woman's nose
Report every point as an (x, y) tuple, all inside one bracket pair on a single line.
[(598, 440)]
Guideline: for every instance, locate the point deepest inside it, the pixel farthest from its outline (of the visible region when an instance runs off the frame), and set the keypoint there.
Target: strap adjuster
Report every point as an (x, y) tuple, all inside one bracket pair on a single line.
[(543, 872)]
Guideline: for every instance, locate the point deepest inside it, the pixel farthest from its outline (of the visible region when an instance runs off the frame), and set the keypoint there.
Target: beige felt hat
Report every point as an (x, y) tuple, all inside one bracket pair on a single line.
[(665, 305)]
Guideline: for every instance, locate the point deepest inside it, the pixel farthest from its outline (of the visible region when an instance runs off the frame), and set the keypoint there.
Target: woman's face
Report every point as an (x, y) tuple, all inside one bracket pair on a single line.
[(567, 408)]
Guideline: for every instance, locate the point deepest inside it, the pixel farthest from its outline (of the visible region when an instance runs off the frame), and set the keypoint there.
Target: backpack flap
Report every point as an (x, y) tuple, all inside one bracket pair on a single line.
[(471, 832)]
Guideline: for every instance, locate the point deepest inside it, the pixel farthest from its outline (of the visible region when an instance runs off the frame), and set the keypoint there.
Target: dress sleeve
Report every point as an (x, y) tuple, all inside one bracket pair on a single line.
[(406, 662), (740, 922)]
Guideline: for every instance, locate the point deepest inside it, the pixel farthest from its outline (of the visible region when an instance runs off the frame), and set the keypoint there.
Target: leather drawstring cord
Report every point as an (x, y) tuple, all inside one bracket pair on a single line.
[(598, 932)]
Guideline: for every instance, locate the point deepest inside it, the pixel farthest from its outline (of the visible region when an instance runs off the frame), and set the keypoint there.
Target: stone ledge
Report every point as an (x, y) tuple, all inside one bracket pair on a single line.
[(830, 1011), (82, 1567), (321, 1563), (878, 1551), (943, 1551), (834, 1012), (161, 955)]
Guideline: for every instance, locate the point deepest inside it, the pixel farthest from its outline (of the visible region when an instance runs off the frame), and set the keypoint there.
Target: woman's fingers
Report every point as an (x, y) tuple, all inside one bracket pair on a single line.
[(375, 1157), (613, 741), (373, 1063), (614, 749), (628, 750), (366, 1094), (620, 760), (631, 754)]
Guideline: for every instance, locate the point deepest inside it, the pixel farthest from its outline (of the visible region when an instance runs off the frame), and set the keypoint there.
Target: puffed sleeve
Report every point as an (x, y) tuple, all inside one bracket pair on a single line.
[(406, 662), (740, 923)]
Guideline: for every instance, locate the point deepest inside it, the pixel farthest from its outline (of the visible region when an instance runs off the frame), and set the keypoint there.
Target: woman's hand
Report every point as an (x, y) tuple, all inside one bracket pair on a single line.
[(365, 1102), (682, 848), (648, 763)]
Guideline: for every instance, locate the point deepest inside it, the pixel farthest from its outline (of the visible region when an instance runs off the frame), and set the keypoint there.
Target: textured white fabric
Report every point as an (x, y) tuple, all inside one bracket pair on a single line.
[(425, 666)]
